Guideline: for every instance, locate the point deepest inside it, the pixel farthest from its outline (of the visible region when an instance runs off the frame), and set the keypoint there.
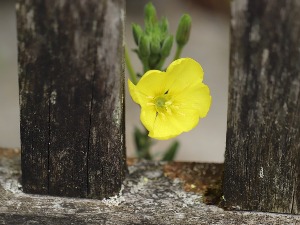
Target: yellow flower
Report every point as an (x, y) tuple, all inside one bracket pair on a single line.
[(172, 102)]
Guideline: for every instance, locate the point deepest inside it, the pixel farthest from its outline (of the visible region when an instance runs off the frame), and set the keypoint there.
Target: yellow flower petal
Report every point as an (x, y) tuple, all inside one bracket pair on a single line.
[(137, 96), (204, 100), (133, 92), (186, 119), (148, 116), (172, 102), (152, 83), (195, 98), (184, 73), (164, 128)]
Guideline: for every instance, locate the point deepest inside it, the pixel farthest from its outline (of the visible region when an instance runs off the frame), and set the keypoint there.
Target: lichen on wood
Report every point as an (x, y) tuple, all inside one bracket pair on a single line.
[(147, 197)]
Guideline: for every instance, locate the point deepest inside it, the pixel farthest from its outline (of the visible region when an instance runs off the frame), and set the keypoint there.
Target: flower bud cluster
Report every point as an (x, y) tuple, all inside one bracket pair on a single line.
[(154, 42)]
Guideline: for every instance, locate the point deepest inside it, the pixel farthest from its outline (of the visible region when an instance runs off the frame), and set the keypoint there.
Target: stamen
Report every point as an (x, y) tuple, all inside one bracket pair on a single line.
[(169, 111), (181, 114), (168, 103), (163, 115)]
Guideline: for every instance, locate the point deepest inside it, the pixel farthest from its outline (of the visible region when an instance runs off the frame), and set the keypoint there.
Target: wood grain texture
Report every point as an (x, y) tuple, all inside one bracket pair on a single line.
[(148, 197), (71, 78), (262, 160)]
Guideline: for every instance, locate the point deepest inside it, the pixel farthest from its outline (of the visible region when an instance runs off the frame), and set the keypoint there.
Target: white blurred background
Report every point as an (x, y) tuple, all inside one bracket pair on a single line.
[(209, 45)]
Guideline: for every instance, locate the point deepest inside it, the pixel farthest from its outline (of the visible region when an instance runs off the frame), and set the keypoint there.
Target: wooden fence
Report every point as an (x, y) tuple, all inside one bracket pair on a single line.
[(262, 160), (72, 101), (71, 78)]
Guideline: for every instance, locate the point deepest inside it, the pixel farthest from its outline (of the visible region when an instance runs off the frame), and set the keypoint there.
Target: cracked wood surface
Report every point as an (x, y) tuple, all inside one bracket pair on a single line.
[(148, 196), (262, 160), (71, 78)]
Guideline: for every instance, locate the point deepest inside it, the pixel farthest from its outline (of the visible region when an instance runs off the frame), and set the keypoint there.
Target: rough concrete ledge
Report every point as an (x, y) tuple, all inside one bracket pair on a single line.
[(149, 196)]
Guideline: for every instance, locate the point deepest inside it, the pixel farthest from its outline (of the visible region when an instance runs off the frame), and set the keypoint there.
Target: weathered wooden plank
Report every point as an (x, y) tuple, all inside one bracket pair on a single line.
[(147, 197), (262, 160), (71, 79), (107, 110)]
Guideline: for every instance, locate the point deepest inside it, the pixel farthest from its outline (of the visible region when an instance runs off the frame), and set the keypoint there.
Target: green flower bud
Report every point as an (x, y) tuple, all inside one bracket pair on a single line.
[(166, 47), (153, 61), (164, 25), (155, 45), (150, 14), (144, 47), (137, 33), (183, 30)]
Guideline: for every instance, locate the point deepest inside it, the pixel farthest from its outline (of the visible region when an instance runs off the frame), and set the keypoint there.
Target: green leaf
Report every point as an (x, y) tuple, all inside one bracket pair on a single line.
[(171, 152), (143, 143), (139, 139)]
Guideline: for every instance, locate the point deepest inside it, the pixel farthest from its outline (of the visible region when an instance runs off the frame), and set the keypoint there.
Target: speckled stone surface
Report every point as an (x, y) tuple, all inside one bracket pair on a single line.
[(147, 197)]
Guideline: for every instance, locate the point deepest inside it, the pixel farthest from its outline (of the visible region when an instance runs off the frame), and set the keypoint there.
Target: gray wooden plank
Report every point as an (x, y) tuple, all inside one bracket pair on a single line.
[(148, 196), (262, 160), (71, 96)]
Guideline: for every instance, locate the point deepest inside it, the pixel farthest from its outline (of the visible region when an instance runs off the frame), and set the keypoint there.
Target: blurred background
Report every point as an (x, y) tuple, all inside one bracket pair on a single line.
[(209, 45)]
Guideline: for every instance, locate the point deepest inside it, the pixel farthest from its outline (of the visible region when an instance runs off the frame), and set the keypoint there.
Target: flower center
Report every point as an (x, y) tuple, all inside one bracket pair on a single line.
[(160, 102)]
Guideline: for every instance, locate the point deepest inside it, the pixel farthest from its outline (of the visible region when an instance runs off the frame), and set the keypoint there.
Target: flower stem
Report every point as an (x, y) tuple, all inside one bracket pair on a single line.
[(131, 72), (178, 52), (161, 63), (145, 64)]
